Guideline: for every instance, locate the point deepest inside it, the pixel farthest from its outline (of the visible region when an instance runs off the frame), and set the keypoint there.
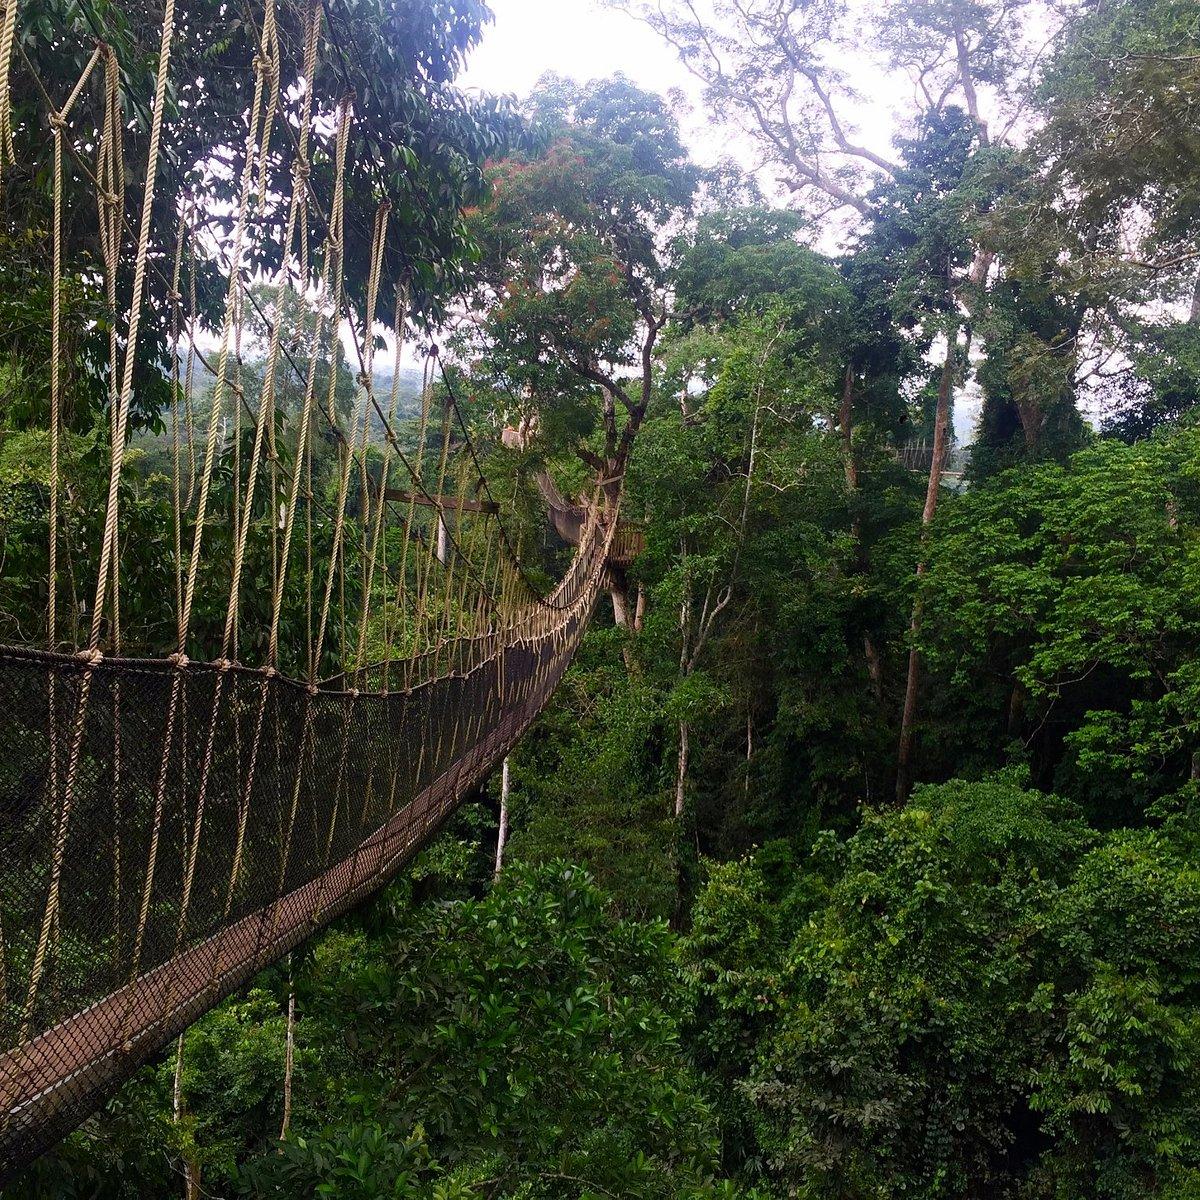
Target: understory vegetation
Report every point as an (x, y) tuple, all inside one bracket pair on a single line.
[(857, 856)]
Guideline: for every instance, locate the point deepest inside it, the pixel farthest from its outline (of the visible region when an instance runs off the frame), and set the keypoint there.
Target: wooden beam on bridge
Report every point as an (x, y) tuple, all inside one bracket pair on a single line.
[(445, 503)]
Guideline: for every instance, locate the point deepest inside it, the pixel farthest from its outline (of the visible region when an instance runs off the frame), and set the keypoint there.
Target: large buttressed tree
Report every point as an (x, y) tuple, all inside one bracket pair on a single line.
[(574, 278)]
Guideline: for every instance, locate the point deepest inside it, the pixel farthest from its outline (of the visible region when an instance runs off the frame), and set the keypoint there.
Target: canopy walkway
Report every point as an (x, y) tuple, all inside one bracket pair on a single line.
[(335, 640), (570, 522)]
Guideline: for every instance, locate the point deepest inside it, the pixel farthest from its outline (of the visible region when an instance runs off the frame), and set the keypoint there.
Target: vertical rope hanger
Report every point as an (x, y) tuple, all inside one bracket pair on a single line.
[(436, 535), (418, 472), (184, 616), (50, 912), (399, 319), (300, 170), (135, 313), (58, 121), (369, 519), (7, 34), (331, 286), (298, 213), (266, 408), (378, 239), (176, 449), (110, 206), (221, 384), (110, 209)]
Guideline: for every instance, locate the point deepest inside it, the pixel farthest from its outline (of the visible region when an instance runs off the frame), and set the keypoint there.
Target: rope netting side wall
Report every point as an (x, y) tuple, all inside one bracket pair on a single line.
[(313, 799)]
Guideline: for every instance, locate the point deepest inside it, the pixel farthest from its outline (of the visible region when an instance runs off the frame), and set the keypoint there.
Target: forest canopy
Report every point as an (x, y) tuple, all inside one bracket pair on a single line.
[(855, 856)]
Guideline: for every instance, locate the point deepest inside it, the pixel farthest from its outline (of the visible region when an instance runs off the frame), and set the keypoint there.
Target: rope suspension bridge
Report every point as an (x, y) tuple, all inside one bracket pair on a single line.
[(350, 641)]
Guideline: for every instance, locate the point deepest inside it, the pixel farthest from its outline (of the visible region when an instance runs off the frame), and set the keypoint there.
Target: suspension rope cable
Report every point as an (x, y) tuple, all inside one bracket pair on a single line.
[(513, 554), (50, 913), (376, 158), (7, 36)]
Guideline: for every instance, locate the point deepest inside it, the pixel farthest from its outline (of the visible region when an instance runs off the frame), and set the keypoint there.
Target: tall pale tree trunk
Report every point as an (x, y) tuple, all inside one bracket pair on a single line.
[(846, 425), (749, 754), (443, 539), (874, 665), (626, 616), (191, 1168), (619, 595), (937, 465), (502, 832), (289, 1056), (682, 769)]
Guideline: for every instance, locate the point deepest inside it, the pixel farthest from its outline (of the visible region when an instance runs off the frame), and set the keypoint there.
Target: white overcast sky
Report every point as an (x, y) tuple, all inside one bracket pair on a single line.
[(583, 40), (574, 37)]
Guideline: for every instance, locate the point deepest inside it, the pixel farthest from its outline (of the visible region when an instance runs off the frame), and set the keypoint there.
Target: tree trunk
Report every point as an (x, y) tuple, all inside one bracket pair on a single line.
[(1194, 314), (968, 83), (1016, 710), (681, 772), (850, 464), (846, 425), (289, 1056), (908, 716), (191, 1178), (177, 1090), (749, 754), (874, 665), (620, 607), (443, 539), (502, 832), (618, 591), (191, 1168), (941, 430), (1030, 412)]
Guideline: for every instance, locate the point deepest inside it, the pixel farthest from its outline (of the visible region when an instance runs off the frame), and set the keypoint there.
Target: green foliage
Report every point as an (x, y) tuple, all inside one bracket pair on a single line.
[(518, 1045), (573, 273), (594, 785), (1060, 623), (1166, 387), (232, 1064), (953, 1000)]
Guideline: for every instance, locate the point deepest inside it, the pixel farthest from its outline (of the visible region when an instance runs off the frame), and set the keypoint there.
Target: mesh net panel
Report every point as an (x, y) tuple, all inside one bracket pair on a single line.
[(194, 856)]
